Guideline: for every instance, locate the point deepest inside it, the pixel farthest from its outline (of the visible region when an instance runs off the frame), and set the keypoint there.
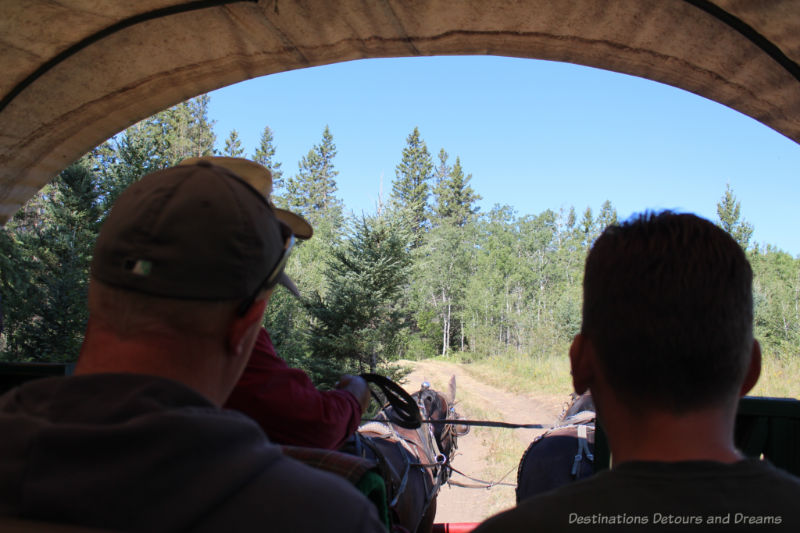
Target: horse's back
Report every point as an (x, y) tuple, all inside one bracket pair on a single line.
[(550, 460)]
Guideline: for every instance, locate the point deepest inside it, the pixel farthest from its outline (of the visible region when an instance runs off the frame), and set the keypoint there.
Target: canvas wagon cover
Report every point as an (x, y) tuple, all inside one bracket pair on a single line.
[(76, 72)]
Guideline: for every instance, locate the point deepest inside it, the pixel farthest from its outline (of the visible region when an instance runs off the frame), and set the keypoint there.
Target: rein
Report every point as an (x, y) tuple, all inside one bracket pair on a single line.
[(483, 483), (401, 402), (486, 423), (408, 416), (408, 410), (461, 422)]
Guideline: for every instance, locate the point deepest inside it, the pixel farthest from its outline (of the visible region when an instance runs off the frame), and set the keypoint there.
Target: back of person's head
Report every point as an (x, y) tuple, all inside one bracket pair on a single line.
[(668, 306), (184, 246)]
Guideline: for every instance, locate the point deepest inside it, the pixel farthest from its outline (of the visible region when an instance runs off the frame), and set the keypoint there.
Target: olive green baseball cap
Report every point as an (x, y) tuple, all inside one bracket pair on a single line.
[(197, 231)]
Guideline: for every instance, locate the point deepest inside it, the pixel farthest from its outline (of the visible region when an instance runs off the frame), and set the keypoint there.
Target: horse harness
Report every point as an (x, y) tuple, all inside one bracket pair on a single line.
[(431, 446), (581, 422)]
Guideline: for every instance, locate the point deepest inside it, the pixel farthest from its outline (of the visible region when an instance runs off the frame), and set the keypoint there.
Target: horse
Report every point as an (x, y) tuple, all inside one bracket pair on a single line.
[(414, 462), (562, 454)]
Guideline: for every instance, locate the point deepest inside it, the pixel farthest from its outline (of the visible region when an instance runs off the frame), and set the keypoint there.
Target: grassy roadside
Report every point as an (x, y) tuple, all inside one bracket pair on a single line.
[(518, 372), (780, 378)]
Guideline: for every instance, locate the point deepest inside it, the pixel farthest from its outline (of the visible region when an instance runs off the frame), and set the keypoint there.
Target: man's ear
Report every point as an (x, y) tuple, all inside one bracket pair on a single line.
[(582, 363), (243, 329), (753, 369)]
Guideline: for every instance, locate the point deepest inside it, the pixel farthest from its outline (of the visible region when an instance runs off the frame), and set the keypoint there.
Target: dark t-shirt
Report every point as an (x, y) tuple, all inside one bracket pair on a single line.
[(750, 495)]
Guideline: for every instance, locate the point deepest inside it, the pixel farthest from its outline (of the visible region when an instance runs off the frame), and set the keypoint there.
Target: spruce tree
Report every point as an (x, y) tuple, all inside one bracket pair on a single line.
[(729, 211), (53, 237), (265, 155), (157, 142), (201, 129), (440, 179), (607, 216), (410, 188), (359, 321), (312, 191), (184, 130), (588, 228), (233, 146), (454, 198)]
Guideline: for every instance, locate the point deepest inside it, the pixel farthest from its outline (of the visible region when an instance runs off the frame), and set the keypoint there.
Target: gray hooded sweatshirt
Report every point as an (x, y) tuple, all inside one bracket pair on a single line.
[(140, 453)]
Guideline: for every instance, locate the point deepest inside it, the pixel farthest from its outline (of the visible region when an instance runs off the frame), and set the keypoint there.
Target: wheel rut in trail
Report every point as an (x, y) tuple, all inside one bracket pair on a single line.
[(474, 455)]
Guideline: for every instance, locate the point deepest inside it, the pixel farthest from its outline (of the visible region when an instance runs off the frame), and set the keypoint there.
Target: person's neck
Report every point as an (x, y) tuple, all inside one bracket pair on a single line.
[(183, 360), (652, 435)]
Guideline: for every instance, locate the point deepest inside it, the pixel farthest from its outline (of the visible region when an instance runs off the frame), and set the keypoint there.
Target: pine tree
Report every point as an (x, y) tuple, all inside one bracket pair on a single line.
[(729, 212), (358, 322), (157, 142), (410, 188), (184, 130), (607, 216), (312, 191), (440, 179), (233, 146), (53, 237), (201, 129), (455, 199), (265, 155), (588, 228)]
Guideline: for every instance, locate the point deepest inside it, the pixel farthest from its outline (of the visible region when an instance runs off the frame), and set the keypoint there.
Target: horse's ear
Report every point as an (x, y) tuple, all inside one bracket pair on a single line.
[(451, 390)]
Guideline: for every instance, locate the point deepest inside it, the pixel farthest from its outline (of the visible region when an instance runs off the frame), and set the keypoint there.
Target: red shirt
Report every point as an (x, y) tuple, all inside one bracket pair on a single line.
[(288, 406)]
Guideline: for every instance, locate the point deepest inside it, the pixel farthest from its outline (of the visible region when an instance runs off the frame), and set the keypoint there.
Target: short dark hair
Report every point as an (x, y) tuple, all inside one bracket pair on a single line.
[(668, 306)]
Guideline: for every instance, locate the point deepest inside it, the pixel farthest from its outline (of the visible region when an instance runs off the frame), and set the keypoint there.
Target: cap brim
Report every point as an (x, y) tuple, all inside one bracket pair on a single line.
[(300, 227), (286, 281)]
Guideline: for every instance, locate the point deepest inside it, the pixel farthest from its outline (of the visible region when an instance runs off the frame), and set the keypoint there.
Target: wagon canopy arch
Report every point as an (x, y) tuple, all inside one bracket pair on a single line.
[(77, 72)]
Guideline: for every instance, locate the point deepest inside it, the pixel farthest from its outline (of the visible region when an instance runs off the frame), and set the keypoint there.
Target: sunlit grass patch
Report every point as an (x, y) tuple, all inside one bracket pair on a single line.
[(780, 377), (520, 372)]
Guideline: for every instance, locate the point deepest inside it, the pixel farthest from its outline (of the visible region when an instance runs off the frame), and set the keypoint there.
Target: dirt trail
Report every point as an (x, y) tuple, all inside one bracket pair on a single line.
[(457, 504)]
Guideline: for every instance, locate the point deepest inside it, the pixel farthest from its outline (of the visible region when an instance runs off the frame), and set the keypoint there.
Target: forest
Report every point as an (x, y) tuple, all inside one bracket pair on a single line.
[(427, 274)]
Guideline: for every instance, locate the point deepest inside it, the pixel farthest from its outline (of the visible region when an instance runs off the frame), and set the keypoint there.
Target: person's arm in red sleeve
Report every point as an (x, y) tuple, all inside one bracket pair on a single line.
[(288, 406)]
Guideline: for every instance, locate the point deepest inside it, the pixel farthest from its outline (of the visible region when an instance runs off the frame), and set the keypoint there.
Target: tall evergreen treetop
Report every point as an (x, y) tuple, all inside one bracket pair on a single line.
[(185, 129), (312, 191), (359, 320), (201, 129), (233, 145), (607, 217), (455, 199), (410, 187), (729, 211), (440, 180), (588, 228), (265, 155), (157, 142)]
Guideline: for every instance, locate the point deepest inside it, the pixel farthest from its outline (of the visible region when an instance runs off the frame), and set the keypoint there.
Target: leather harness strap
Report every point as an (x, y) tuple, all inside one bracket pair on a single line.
[(583, 450)]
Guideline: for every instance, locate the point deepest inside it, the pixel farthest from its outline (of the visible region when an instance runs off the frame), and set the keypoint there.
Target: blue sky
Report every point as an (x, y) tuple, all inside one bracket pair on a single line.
[(535, 135)]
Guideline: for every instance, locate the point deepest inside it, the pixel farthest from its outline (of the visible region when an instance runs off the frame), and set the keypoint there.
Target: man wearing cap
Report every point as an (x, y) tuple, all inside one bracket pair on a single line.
[(283, 400), (182, 272)]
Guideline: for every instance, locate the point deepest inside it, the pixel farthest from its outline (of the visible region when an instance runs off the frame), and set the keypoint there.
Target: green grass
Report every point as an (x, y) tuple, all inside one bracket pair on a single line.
[(780, 378), (519, 372)]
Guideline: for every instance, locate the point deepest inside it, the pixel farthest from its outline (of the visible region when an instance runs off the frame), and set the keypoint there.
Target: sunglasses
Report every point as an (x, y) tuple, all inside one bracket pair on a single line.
[(272, 279)]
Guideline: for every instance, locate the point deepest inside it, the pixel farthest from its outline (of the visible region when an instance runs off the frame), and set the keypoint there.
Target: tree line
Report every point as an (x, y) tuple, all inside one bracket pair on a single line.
[(426, 274)]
